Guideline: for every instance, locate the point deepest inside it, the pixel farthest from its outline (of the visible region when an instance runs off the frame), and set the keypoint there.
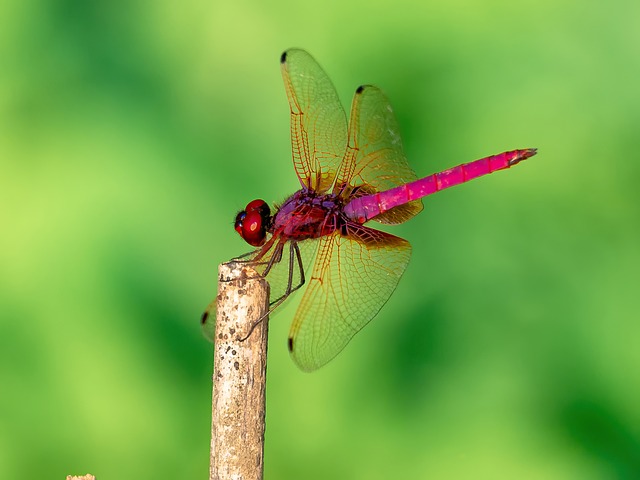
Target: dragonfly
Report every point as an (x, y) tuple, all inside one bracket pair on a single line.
[(350, 174)]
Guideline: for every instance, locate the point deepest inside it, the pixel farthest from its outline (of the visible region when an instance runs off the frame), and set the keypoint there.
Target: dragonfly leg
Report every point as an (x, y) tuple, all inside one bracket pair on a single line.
[(300, 268), (275, 258), (239, 259), (246, 261), (257, 255), (294, 256)]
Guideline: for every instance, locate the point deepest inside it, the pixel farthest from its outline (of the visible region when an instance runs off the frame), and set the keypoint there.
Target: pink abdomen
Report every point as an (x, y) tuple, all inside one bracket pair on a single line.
[(367, 207)]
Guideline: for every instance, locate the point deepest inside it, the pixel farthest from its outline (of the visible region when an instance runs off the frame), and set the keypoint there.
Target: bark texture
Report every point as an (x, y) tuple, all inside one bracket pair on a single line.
[(239, 375)]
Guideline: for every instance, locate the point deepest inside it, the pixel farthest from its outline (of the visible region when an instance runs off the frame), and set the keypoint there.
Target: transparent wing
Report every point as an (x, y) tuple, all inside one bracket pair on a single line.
[(375, 160), (318, 121), (208, 321), (352, 278)]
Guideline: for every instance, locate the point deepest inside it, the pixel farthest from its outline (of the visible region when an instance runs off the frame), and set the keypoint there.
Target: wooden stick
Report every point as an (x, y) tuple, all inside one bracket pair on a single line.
[(239, 375)]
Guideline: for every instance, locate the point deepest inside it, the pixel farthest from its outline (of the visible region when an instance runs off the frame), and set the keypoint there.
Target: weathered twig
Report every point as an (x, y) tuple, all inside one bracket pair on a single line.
[(239, 375)]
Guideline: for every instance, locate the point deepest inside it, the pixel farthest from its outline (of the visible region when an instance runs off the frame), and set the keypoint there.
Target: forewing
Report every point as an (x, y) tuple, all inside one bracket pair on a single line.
[(375, 159), (318, 121), (352, 278)]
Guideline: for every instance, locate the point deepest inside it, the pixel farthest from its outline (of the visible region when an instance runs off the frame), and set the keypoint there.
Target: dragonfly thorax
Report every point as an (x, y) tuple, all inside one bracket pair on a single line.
[(307, 214)]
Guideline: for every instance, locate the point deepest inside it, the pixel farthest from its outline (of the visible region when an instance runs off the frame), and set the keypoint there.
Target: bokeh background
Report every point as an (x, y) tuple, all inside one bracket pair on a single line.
[(132, 132)]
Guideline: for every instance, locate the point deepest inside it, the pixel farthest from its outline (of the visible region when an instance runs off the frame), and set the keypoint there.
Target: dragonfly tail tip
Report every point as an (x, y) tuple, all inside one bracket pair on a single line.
[(522, 155)]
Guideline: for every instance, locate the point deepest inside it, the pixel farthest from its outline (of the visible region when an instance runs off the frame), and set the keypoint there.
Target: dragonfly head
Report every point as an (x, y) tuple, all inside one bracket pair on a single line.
[(253, 221)]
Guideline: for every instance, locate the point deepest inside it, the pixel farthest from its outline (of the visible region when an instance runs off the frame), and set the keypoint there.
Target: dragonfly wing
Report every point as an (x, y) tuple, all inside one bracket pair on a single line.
[(318, 121), (208, 321), (375, 160), (352, 278)]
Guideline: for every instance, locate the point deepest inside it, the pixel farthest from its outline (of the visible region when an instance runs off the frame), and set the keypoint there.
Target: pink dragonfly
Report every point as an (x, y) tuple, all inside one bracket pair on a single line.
[(349, 175)]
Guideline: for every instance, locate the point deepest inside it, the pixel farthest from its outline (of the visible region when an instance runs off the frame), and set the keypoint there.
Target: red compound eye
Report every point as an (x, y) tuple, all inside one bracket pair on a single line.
[(239, 221), (252, 222), (252, 229), (256, 205)]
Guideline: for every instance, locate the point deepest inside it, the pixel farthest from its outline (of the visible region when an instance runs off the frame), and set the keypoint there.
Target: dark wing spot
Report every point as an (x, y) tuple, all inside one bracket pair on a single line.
[(360, 89), (290, 344), (203, 320), (283, 57)]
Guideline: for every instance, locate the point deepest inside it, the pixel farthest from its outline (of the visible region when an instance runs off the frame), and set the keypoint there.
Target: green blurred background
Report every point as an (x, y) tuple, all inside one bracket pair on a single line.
[(132, 132)]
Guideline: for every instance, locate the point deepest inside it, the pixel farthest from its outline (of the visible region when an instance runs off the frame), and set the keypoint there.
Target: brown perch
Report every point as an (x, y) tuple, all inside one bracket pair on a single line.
[(239, 375)]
